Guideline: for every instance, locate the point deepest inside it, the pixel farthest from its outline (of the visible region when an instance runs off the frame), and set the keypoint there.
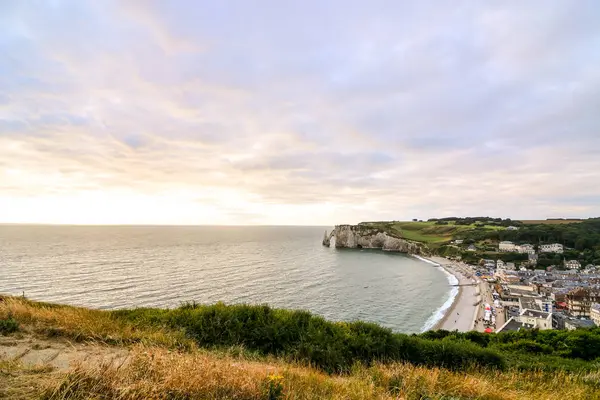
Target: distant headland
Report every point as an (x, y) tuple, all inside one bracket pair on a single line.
[(473, 239)]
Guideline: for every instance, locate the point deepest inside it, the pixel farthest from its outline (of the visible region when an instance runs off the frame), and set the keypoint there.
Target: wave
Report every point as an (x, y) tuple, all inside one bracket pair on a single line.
[(428, 261), (440, 312)]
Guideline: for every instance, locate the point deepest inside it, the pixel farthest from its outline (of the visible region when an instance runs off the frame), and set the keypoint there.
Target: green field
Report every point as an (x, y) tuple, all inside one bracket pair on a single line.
[(426, 232)]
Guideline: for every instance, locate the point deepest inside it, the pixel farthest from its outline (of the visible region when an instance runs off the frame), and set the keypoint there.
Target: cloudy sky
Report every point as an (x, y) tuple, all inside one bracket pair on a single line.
[(297, 112)]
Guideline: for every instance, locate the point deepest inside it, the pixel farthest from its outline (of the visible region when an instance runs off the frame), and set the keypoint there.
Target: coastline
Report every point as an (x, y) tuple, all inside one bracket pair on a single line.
[(457, 312)]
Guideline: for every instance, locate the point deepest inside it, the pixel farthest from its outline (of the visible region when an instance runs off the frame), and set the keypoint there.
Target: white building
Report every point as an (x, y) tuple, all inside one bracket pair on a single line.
[(512, 228), (500, 264), (572, 264), (595, 313), (510, 266), (551, 248), (525, 248), (507, 246), (539, 319)]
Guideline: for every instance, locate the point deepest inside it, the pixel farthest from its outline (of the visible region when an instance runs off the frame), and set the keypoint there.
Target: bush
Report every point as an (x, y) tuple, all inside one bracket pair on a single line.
[(8, 325), (526, 346), (331, 346)]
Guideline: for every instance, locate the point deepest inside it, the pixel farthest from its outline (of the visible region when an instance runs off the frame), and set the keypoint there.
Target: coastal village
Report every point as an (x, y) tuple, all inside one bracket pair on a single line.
[(511, 296), (511, 275)]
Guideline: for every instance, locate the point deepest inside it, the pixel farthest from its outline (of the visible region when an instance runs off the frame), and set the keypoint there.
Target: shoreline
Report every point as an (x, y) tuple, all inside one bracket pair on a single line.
[(462, 306)]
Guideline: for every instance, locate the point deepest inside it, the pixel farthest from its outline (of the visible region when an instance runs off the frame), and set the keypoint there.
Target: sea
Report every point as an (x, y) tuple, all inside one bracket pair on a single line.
[(112, 267)]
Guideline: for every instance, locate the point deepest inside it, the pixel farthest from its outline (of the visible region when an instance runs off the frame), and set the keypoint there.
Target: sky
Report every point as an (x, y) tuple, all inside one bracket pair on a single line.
[(297, 112)]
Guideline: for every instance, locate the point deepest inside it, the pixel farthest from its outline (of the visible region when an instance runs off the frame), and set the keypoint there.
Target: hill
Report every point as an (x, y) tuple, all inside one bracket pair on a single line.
[(433, 232), (243, 352), (581, 238)]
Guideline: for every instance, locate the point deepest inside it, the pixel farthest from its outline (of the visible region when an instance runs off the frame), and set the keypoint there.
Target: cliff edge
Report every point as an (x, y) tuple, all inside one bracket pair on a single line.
[(368, 237)]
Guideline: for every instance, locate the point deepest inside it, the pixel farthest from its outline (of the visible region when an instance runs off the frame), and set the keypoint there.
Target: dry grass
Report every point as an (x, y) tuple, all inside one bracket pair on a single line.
[(156, 373), (82, 324), (20, 382), (164, 365)]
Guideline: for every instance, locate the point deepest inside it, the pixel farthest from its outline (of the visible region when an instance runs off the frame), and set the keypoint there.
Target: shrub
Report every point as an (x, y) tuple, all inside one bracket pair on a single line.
[(526, 346), (331, 346), (8, 325)]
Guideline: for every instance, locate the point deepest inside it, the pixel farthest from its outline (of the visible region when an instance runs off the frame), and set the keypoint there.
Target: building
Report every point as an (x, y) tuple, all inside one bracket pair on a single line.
[(471, 248), (506, 246), (538, 319), (499, 264), (513, 325), (512, 228), (532, 258), (572, 264), (547, 305), (551, 248), (558, 320), (525, 248), (572, 324), (579, 301), (595, 313), (511, 266)]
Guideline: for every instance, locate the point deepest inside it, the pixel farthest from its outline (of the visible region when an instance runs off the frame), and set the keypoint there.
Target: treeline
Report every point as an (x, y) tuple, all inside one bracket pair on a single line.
[(337, 346), (582, 237), (476, 220)]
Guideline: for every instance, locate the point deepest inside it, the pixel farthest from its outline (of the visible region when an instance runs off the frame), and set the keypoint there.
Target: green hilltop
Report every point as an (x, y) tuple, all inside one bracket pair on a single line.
[(581, 238)]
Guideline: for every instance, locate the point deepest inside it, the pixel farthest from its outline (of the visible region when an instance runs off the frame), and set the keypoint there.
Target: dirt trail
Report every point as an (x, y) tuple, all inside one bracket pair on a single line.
[(58, 354), (28, 364)]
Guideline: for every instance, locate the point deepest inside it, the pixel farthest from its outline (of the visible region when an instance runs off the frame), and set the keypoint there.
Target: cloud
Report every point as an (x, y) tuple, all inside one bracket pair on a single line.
[(287, 113)]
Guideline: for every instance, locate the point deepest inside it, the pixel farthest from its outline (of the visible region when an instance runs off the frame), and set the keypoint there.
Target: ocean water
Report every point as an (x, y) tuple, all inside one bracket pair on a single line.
[(110, 267)]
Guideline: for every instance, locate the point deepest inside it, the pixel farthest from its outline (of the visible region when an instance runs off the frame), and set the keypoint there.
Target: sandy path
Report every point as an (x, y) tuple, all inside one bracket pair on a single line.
[(60, 355)]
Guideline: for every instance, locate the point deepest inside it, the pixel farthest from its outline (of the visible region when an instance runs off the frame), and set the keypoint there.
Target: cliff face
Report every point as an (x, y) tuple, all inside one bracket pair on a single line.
[(359, 236)]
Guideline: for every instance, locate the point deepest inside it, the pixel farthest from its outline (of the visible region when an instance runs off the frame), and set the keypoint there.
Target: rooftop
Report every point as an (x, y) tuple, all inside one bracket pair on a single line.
[(514, 325), (529, 304), (581, 323), (535, 313)]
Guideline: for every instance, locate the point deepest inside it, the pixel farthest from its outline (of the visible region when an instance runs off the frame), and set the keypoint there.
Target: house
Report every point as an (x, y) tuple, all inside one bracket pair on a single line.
[(506, 246), (458, 241), (551, 248), (572, 264), (532, 258), (595, 313), (510, 266), (512, 228), (538, 319), (579, 301), (525, 249), (513, 325), (500, 264), (572, 324), (547, 305), (472, 248), (558, 320)]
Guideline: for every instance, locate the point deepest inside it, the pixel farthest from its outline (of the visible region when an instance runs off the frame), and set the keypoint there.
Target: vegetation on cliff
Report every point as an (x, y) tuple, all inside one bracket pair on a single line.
[(581, 238), (254, 352)]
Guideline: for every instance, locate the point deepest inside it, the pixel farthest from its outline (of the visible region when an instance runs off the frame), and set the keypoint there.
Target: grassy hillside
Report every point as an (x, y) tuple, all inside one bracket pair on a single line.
[(581, 238), (428, 232), (254, 352)]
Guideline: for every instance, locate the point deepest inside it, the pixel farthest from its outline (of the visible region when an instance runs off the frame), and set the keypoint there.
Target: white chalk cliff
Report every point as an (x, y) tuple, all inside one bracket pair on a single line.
[(366, 237)]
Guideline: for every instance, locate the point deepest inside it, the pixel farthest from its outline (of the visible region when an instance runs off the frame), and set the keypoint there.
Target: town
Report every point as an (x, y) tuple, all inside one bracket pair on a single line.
[(516, 295)]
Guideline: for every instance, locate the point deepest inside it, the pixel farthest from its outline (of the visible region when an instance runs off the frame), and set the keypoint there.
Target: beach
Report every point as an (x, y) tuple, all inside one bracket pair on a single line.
[(461, 314)]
